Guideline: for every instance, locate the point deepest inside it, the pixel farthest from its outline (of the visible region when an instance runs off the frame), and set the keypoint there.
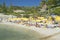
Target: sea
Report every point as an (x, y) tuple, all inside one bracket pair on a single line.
[(11, 32)]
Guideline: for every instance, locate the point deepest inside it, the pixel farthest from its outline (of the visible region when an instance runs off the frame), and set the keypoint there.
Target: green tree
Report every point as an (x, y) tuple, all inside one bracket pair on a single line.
[(34, 11), (42, 4), (10, 10), (57, 11), (0, 8), (4, 9), (52, 4)]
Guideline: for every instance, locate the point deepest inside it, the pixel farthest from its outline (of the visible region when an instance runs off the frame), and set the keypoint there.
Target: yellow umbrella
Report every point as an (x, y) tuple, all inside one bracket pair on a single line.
[(18, 18), (41, 18), (31, 18), (50, 18), (45, 19), (14, 18), (57, 18), (25, 19), (38, 20)]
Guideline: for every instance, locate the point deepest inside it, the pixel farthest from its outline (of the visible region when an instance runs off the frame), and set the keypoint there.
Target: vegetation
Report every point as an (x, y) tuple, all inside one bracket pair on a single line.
[(53, 6)]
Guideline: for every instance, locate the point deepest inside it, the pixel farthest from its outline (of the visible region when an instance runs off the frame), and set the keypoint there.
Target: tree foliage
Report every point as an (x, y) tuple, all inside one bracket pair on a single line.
[(35, 10), (4, 8), (57, 11)]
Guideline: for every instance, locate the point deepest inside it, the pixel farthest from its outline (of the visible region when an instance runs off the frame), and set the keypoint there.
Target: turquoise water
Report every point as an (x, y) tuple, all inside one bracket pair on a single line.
[(10, 32)]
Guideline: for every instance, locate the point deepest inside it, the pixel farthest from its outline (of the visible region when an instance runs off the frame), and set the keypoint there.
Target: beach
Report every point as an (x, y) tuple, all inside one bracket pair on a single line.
[(30, 20), (46, 33)]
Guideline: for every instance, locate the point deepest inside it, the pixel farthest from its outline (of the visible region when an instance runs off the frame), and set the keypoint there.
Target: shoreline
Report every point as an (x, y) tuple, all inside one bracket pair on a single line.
[(44, 31)]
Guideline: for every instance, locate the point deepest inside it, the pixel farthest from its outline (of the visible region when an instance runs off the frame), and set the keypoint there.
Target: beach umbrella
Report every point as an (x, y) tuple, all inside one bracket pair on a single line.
[(25, 19), (18, 18), (15, 19), (12, 19), (50, 18), (44, 19), (41, 18), (57, 18), (38, 20)]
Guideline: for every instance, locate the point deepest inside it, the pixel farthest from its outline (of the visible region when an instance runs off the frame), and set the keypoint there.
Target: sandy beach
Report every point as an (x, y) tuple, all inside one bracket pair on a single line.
[(46, 32)]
